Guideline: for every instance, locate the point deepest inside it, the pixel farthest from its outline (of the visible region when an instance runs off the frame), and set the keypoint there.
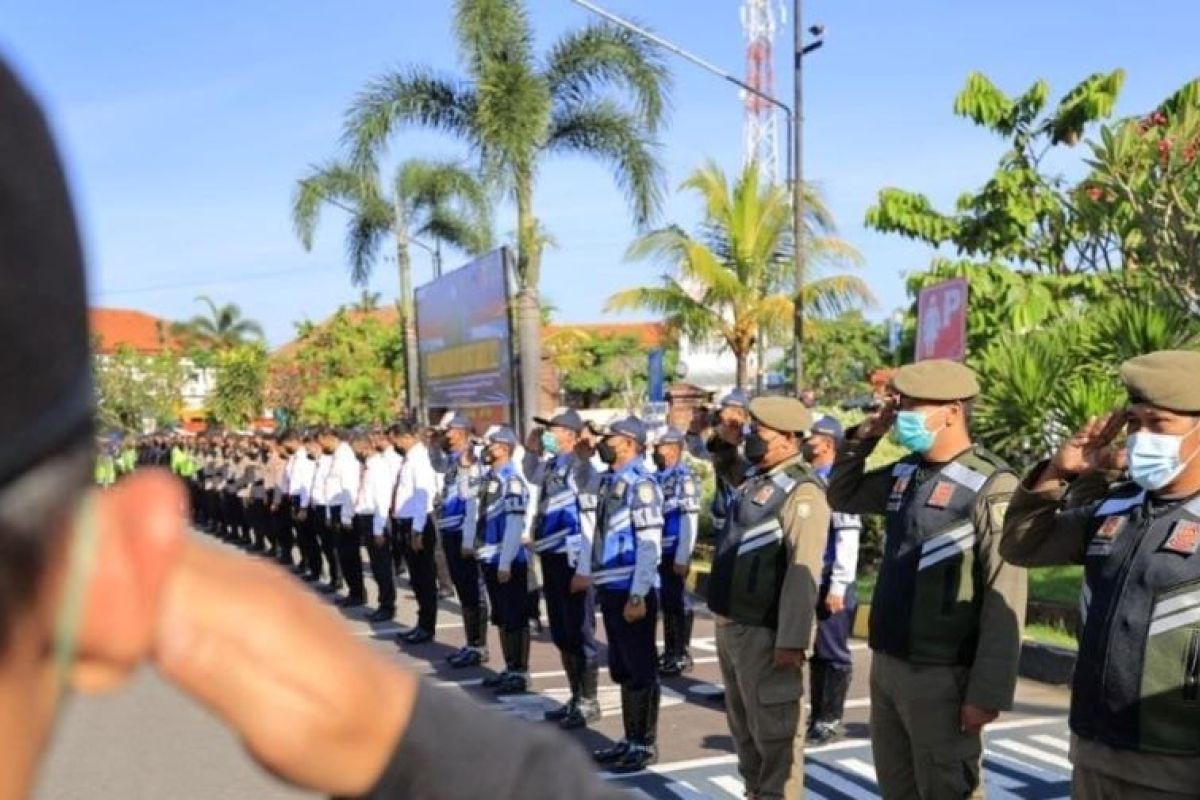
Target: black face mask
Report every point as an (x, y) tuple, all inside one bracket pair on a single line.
[(807, 452), (606, 452), (660, 463), (487, 458), (755, 448)]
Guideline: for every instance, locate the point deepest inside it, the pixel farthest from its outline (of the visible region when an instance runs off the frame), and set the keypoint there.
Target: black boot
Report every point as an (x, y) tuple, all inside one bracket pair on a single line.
[(684, 645), (827, 728), (816, 675), (564, 711), (667, 657), (495, 681), (587, 708), (517, 681), (643, 750), (618, 751), (475, 651)]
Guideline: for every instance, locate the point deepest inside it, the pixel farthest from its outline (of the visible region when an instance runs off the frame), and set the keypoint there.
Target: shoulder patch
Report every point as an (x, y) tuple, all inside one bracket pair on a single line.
[(998, 510), (803, 510)]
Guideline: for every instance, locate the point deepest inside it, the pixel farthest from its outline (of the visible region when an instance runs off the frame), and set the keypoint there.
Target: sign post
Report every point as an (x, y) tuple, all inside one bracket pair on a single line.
[(942, 321)]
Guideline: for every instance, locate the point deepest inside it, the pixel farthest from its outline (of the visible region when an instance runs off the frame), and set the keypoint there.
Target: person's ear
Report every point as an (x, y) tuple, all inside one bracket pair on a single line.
[(141, 537)]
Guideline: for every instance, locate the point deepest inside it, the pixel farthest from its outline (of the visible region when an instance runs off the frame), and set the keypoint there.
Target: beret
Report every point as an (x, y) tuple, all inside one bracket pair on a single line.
[(936, 379), (785, 414), (1168, 379)]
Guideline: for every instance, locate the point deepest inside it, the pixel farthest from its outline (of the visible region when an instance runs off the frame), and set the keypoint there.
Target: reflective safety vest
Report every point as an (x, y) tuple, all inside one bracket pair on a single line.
[(461, 483), (680, 497), (1137, 678), (559, 529), (504, 495), (927, 600), (629, 508), (751, 558)]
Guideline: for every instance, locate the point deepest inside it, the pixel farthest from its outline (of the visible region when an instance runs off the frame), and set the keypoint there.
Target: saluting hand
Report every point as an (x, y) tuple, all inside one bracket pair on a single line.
[(879, 422), (1091, 448)]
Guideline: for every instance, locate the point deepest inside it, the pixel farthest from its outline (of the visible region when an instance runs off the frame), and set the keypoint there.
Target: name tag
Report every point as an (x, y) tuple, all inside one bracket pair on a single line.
[(943, 493), (899, 487), (1185, 535), (763, 495)]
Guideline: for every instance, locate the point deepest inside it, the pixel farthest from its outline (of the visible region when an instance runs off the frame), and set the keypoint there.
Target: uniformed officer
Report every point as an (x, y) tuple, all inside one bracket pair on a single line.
[(361, 516), (503, 505), (832, 664), (681, 512), (562, 538), (947, 612), (625, 555), (1135, 698), (415, 530), (379, 546), (725, 449), (458, 510), (763, 592)]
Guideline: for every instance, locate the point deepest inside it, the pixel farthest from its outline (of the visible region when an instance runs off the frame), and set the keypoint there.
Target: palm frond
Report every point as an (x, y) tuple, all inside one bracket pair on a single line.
[(333, 184), (836, 294), (605, 131), (489, 31), (585, 62)]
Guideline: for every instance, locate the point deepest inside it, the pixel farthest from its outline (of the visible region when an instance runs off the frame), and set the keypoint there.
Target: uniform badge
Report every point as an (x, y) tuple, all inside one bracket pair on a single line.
[(763, 495), (900, 485), (1185, 535), (1111, 528), (618, 489), (493, 487), (804, 511), (689, 488), (645, 493), (514, 486), (998, 510), (943, 493)]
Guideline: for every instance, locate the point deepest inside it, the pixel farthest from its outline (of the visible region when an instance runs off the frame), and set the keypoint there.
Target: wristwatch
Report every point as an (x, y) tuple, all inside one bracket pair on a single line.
[(635, 599)]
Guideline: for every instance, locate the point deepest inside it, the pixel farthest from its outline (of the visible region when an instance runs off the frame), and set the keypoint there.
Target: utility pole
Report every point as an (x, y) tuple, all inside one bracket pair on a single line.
[(798, 194)]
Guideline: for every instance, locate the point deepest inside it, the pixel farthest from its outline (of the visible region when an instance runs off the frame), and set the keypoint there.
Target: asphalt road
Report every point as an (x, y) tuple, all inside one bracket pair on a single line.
[(149, 742)]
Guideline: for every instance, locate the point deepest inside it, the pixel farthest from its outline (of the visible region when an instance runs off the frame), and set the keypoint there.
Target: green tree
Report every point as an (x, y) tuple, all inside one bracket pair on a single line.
[(604, 371), (222, 328), (343, 372), (133, 389), (513, 110), (840, 353), (732, 279), (238, 397), (436, 200)]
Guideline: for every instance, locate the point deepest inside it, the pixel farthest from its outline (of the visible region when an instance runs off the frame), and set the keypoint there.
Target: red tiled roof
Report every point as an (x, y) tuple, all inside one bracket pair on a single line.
[(648, 334), (113, 328)]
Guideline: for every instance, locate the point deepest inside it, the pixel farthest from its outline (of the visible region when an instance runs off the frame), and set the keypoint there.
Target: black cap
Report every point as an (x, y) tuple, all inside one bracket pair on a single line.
[(46, 358), (568, 419)]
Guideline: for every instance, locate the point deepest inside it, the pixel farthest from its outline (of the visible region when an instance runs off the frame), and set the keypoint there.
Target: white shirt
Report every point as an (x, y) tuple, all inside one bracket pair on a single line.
[(341, 484), (320, 487), (285, 477), (374, 494), (415, 488), (301, 479)]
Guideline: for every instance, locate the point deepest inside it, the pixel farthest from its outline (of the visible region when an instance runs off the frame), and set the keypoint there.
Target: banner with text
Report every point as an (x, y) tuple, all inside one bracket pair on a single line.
[(942, 321)]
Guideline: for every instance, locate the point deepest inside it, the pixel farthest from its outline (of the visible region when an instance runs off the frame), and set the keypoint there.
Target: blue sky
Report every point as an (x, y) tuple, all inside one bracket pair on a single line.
[(185, 126)]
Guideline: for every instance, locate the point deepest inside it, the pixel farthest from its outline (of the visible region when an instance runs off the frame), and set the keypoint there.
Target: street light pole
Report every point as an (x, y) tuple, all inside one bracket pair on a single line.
[(797, 159)]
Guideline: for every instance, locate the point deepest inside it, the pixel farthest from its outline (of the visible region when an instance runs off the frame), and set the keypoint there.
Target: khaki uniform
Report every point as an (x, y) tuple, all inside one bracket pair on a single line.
[(764, 703), (1066, 526), (963, 637)]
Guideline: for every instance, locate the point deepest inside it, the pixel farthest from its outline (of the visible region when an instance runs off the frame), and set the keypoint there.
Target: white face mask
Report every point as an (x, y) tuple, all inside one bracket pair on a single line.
[(1154, 458)]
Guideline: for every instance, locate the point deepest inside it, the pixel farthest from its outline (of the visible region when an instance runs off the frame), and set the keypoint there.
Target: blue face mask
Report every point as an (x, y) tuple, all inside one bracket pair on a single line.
[(912, 433), (1154, 458), (549, 443)]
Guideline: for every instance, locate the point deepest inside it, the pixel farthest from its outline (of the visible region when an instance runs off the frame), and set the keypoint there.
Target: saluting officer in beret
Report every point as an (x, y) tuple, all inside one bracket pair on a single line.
[(763, 592), (947, 612), (1135, 699)]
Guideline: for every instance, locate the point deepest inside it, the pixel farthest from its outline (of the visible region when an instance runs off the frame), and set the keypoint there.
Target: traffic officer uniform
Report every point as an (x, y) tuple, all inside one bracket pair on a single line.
[(458, 510), (503, 506), (1135, 697), (729, 465), (681, 512), (763, 593), (626, 549), (562, 538), (832, 665), (947, 612)]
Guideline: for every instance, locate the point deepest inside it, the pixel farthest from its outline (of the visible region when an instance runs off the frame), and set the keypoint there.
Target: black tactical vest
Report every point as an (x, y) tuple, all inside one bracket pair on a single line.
[(1137, 680), (751, 557), (926, 604)]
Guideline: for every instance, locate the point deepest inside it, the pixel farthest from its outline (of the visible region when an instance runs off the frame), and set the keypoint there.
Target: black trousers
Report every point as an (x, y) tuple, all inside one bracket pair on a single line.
[(284, 532), (350, 543), (310, 550), (632, 656), (422, 569), (257, 519), (465, 573), (329, 521), (572, 616), (508, 599), (379, 551)]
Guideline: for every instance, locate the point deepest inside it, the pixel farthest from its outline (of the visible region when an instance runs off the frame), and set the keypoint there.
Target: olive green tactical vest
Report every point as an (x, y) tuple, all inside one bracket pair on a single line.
[(1137, 679), (926, 604), (751, 559)]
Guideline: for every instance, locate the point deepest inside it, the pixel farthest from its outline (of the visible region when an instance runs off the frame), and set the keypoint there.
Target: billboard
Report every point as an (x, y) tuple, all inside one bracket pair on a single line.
[(464, 338), (942, 321)]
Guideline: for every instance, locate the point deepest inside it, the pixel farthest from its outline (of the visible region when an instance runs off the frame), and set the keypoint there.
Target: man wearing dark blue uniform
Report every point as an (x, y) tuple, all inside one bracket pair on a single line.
[(832, 664), (564, 545), (503, 503), (458, 511), (681, 511), (625, 554)]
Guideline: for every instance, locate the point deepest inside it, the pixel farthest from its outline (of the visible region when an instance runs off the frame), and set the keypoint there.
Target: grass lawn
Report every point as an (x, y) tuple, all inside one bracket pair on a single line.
[(1052, 634)]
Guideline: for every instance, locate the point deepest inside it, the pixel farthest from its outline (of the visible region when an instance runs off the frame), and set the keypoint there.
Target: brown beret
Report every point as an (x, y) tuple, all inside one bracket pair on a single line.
[(785, 414), (1168, 379), (936, 379)]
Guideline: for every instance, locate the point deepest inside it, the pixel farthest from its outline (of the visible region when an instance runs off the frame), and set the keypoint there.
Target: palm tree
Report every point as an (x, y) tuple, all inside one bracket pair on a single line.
[(368, 301), (222, 328), (435, 200), (733, 278), (513, 110)]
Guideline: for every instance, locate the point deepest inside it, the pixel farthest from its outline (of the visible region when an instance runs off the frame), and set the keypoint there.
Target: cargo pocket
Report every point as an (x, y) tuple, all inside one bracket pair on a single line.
[(953, 770), (779, 696)]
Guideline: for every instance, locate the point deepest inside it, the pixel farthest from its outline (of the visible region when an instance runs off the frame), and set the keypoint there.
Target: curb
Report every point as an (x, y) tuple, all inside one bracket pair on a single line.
[(1046, 663)]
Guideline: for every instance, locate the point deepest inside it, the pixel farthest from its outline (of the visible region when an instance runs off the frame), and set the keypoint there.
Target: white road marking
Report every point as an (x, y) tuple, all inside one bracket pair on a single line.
[(730, 784), (548, 674), (1036, 755), (685, 791), (858, 767), (1053, 742)]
